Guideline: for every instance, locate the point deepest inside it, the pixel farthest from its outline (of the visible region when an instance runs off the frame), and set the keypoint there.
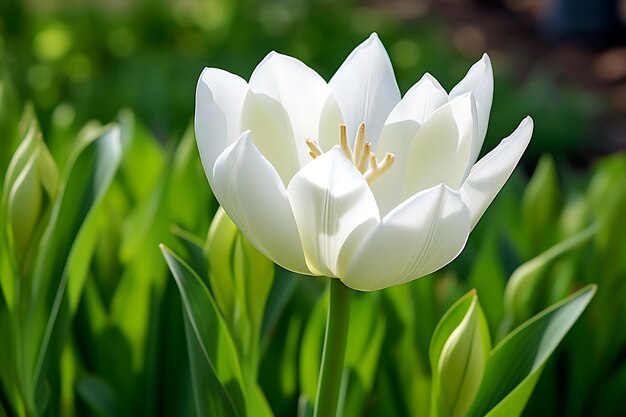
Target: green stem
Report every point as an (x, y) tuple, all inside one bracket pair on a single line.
[(329, 384)]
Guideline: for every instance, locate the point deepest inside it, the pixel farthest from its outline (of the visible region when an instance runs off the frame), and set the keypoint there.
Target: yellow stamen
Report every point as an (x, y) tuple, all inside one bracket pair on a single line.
[(343, 141), (314, 147), (359, 144), (360, 156), (362, 163), (376, 169)]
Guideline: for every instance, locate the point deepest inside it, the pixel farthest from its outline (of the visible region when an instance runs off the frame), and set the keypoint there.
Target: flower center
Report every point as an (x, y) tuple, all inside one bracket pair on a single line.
[(362, 156)]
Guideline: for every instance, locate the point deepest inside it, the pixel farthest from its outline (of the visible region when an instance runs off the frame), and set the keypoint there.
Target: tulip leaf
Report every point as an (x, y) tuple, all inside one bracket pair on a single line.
[(67, 244), (365, 334), (516, 362), (540, 205), (521, 291), (223, 381), (99, 395), (311, 347), (195, 248), (189, 196)]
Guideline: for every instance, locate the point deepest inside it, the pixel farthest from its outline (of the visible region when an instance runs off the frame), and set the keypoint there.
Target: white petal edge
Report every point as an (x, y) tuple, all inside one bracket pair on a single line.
[(253, 195), (489, 174), (479, 82), (366, 89), (418, 237), (330, 200), (302, 92), (219, 99), (426, 96)]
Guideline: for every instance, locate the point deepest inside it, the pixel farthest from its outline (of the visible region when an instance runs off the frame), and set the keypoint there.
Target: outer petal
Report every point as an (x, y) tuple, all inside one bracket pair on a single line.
[(302, 93), (478, 81), (219, 99), (330, 200), (418, 237), (441, 151), (491, 172), (251, 192), (426, 96), (366, 89)]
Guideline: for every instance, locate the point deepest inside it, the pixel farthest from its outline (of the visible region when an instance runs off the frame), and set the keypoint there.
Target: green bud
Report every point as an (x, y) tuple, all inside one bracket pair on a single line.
[(220, 243), (241, 278), (31, 183), (459, 353)]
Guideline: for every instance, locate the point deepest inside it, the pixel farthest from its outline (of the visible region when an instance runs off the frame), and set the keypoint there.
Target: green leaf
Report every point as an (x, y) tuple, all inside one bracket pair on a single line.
[(210, 397), (143, 159), (214, 342), (189, 197), (488, 278), (66, 246), (99, 395), (540, 205), (311, 347), (516, 362), (521, 293), (195, 248), (365, 335)]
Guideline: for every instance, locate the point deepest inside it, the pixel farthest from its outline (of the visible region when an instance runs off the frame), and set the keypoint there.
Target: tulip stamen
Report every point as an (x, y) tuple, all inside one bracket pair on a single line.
[(343, 141), (314, 147), (361, 165), (361, 155), (376, 169), (359, 146)]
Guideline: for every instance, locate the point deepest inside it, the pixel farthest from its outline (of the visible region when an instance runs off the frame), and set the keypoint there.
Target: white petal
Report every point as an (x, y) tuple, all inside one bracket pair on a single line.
[(330, 120), (491, 172), (253, 195), (219, 99), (440, 153), (418, 237), (272, 133), (478, 81), (396, 138), (426, 96), (366, 89), (330, 200), (302, 93)]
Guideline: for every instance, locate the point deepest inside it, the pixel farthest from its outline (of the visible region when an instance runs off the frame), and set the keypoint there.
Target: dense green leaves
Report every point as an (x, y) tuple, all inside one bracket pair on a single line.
[(516, 362)]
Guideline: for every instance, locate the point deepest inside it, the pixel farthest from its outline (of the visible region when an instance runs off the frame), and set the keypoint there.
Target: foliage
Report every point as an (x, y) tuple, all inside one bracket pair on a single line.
[(91, 323)]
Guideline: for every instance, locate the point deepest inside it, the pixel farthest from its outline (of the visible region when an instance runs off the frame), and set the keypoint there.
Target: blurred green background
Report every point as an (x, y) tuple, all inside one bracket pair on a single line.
[(120, 349)]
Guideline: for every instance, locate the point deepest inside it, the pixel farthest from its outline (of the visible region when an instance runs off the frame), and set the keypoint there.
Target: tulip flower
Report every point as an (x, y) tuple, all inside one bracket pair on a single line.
[(347, 179)]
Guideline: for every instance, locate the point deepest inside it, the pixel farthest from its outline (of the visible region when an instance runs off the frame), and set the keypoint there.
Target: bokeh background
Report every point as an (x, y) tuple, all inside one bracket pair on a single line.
[(561, 61)]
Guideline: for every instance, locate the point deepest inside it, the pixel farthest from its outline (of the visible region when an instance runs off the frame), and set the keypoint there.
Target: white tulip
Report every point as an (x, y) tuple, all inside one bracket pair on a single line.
[(316, 199)]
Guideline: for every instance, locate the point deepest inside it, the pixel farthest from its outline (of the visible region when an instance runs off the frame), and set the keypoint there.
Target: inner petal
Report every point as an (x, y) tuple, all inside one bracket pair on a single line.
[(442, 148), (271, 132)]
